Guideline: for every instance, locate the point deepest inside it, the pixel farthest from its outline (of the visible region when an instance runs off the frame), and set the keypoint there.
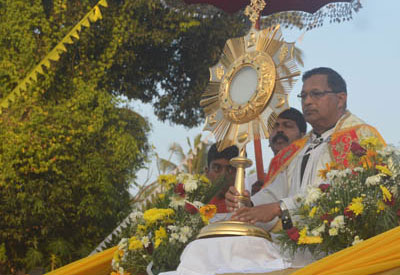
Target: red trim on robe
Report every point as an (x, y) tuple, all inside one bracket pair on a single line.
[(220, 204)]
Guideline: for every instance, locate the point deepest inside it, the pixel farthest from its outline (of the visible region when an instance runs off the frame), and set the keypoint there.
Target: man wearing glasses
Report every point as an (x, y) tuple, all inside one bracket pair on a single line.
[(218, 169), (324, 102)]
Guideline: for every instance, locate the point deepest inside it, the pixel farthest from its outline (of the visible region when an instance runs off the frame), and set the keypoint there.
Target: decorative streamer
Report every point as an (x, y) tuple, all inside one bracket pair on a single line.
[(54, 55)]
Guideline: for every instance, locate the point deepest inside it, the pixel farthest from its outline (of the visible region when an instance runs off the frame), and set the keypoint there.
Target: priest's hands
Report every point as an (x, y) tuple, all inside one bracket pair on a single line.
[(259, 213), (232, 199)]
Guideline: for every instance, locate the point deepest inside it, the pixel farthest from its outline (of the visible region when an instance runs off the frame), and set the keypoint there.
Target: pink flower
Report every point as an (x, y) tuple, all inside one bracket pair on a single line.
[(180, 190), (324, 187), (293, 233), (191, 208), (357, 150)]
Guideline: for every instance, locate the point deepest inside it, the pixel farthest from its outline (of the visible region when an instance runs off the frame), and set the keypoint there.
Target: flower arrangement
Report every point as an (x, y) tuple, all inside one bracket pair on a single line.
[(160, 233), (353, 204)]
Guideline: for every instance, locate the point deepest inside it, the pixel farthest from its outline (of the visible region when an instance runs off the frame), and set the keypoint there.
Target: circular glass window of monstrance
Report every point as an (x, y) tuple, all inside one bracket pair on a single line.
[(248, 87)]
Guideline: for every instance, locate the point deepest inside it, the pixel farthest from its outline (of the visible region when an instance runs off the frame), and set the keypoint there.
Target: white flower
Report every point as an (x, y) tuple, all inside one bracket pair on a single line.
[(394, 190), (174, 236), (176, 202), (317, 231), (198, 204), (332, 174), (358, 169), (333, 232), (344, 173), (190, 185), (186, 230), (183, 177), (114, 264), (123, 243), (356, 240), (135, 215), (338, 222), (121, 270), (145, 241), (173, 228), (313, 194), (373, 180), (183, 238)]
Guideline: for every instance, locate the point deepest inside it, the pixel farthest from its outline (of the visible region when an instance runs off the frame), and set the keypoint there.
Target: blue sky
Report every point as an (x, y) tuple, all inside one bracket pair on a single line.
[(365, 51)]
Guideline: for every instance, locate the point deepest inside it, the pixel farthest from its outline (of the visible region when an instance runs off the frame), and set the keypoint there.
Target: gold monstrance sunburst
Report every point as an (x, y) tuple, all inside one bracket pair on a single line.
[(248, 89)]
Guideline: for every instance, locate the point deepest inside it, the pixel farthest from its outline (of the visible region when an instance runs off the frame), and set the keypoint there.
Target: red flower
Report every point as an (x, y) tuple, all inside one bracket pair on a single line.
[(324, 187), (293, 233), (191, 208), (326, 217), (180, 190), (398, 213), (357, 150), (348, 213)]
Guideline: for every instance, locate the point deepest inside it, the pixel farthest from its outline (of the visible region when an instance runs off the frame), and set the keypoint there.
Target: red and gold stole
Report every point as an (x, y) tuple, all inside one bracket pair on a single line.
[(340, 145)]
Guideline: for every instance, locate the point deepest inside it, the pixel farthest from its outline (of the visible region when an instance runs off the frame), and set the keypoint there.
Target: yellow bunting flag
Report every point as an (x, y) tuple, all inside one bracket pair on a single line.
[(54, 55)]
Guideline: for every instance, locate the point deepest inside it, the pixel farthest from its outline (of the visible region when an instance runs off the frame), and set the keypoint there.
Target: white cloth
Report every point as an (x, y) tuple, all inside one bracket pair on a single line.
[(242, 254)]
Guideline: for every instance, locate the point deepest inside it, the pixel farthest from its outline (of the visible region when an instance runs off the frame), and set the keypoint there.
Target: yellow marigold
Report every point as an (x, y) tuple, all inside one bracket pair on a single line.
[(304, 239), (157, 214), (334, 210), (141, 229), (160, 235), (167, 181), (204, 179), (384, 170), (356, 206), (381, 206), (135, 244), (370, 142), (117, 255), (312, 212), (161, 196), (387, 196), (207, 212), (329, 166)]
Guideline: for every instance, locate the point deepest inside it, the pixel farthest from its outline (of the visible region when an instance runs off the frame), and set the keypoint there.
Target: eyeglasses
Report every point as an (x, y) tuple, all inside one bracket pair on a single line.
[(314, 94), (217, 168)]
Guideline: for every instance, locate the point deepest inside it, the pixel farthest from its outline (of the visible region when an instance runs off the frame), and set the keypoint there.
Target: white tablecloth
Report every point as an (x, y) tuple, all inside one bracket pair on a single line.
[(240, 254)]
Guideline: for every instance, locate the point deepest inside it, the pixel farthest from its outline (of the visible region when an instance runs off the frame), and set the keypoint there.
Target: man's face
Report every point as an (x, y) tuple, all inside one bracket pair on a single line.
[(219, 169), (285, 131), (324, 110)]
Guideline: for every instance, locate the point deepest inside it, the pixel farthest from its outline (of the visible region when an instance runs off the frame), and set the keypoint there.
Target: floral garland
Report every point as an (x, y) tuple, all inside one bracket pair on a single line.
[(160, 233), (353, 204)]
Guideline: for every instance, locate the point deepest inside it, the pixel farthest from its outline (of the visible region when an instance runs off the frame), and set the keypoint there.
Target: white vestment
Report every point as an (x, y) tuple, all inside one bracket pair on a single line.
[(288, 185)]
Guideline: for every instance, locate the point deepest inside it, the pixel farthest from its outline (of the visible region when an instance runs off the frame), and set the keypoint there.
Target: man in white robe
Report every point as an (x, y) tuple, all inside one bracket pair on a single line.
[(294, 169)]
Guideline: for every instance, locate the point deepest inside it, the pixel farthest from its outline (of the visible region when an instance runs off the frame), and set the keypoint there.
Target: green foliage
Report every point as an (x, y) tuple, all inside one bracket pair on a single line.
[(69, 149)]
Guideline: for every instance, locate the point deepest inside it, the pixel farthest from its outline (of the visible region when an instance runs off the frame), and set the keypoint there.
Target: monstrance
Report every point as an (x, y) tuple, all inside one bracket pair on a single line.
[(248, 89)]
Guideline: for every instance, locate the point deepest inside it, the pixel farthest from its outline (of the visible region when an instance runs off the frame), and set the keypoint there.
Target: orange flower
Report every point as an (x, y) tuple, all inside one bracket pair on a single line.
[(207, 212)]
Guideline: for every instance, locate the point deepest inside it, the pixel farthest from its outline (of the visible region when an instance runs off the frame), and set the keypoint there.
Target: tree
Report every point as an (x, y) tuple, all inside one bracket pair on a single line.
[(68, 149)]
